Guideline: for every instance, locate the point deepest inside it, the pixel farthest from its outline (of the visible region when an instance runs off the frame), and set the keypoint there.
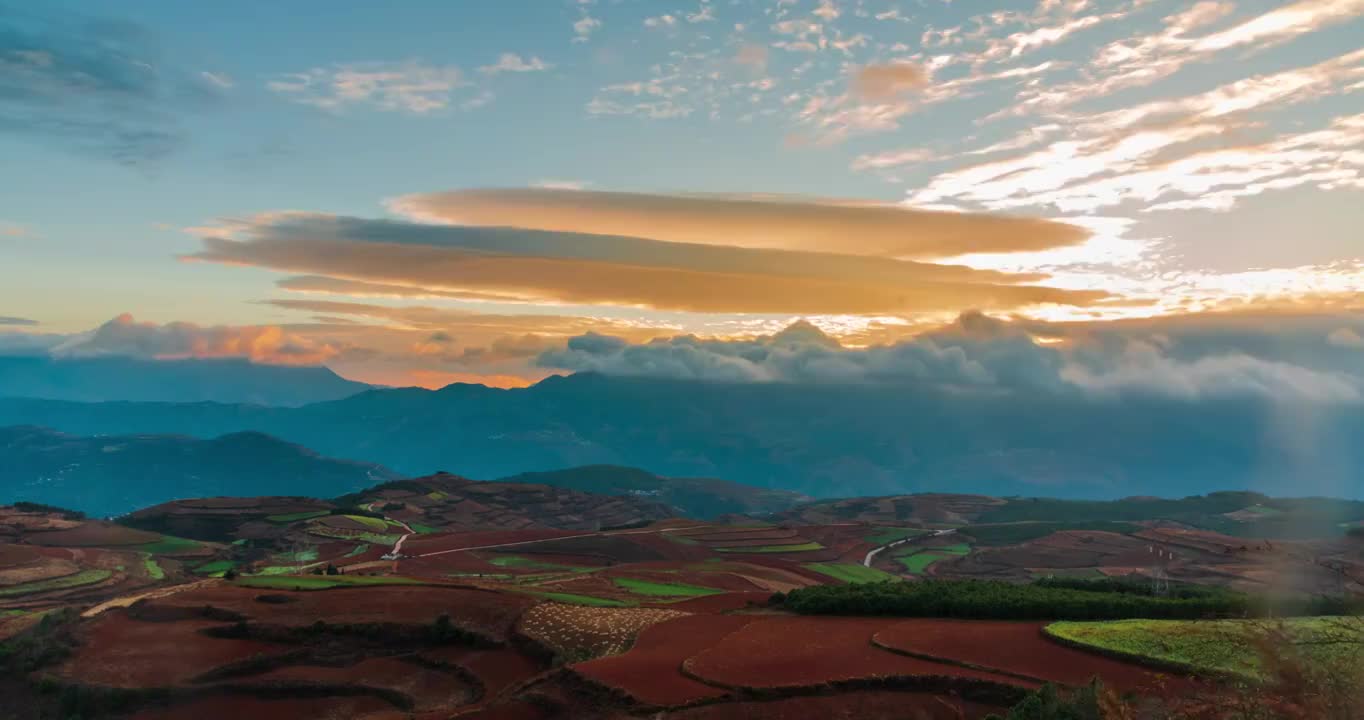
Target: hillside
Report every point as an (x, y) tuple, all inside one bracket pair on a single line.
[(820, 440), (449, 502), (106, 476), (694, 497), (1233, 513), (227, 380)]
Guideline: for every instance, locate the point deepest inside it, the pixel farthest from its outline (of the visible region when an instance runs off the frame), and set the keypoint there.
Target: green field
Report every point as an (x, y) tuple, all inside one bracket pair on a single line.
[(377, 525), (917, 560), (887, 535), (1223, 646), (84, 577), (525, 563), (154, 570), (215, 568), (369, 537), (850, 572), (802, 547), (298, 557), (169, 545), (572, 599), (422, 529), (321, 582), (658, 589), (360, 549)]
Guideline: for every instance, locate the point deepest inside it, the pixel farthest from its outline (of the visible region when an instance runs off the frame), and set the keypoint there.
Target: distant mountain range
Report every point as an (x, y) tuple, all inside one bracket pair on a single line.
[(226, 380), (819, 440), (106, 476)]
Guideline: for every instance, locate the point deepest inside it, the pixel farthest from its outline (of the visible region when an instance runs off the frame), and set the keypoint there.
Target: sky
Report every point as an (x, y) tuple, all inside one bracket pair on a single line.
[(1170, 193)]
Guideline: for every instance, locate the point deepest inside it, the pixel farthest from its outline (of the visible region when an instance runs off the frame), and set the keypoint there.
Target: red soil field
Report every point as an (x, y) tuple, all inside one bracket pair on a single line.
[(94, 534), (800, 651), (718, 580), (497, 669), (861, 705), (720, 538), (429, 689), (792, 539), (12, 555), (231, 707), (1066, 549), (825, 555), (1019, 647), (618, 548), (649, 672), (517, 710), (783, 569), (783, 573), (218, 503), (485, 611), (555, 558), (442, 565), (718, 604), (122, 652), (438, 542), (671, 549)]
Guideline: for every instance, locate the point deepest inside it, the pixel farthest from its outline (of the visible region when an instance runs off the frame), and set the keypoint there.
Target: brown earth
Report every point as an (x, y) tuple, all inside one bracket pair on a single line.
[(801, 651)]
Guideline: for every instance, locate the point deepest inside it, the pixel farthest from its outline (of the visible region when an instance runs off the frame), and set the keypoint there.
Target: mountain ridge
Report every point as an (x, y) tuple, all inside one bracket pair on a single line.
[(822, 441), (113, 378)]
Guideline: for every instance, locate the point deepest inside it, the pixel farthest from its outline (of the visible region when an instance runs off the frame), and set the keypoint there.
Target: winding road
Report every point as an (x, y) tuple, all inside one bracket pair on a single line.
[(871, 555)]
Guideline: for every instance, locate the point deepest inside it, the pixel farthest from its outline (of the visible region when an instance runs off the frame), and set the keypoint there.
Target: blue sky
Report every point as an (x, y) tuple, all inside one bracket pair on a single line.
[(1213, 153)]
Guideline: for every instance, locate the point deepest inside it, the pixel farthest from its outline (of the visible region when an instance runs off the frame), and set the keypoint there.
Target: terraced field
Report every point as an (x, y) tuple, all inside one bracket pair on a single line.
[(75, 580)]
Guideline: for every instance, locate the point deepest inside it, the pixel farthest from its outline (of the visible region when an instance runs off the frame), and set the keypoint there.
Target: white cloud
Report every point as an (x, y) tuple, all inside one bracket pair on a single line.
[(406, 87), (584, 27), (512, 62), (221, 80), (893, 158)]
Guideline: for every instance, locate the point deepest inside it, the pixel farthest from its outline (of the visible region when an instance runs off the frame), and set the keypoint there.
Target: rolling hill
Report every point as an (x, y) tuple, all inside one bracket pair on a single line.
[(106, 476), (694, 497)]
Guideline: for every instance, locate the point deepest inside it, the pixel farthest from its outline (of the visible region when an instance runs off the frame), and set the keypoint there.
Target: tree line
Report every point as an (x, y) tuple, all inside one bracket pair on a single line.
[(1053, 599)]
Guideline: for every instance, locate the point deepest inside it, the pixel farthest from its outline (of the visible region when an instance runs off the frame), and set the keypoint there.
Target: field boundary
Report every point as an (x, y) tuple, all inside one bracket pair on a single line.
[(958, 663), (976, 690)]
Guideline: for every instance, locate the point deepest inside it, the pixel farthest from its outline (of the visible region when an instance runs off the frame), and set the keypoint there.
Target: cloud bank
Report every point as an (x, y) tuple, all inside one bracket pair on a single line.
[(981, 353), (124, 336)]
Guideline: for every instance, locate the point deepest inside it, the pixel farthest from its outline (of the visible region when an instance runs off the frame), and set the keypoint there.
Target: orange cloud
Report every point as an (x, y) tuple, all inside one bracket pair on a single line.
[(879, 83), (757, 221), (267, 344)]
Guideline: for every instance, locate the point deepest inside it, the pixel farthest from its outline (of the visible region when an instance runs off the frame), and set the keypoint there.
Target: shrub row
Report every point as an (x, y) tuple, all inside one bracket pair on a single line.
[(1054, 599)]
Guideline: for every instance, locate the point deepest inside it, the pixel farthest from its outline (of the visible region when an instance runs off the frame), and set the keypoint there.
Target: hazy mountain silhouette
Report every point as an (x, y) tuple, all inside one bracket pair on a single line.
[(105, 476), (229, 380), (822, 440)]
